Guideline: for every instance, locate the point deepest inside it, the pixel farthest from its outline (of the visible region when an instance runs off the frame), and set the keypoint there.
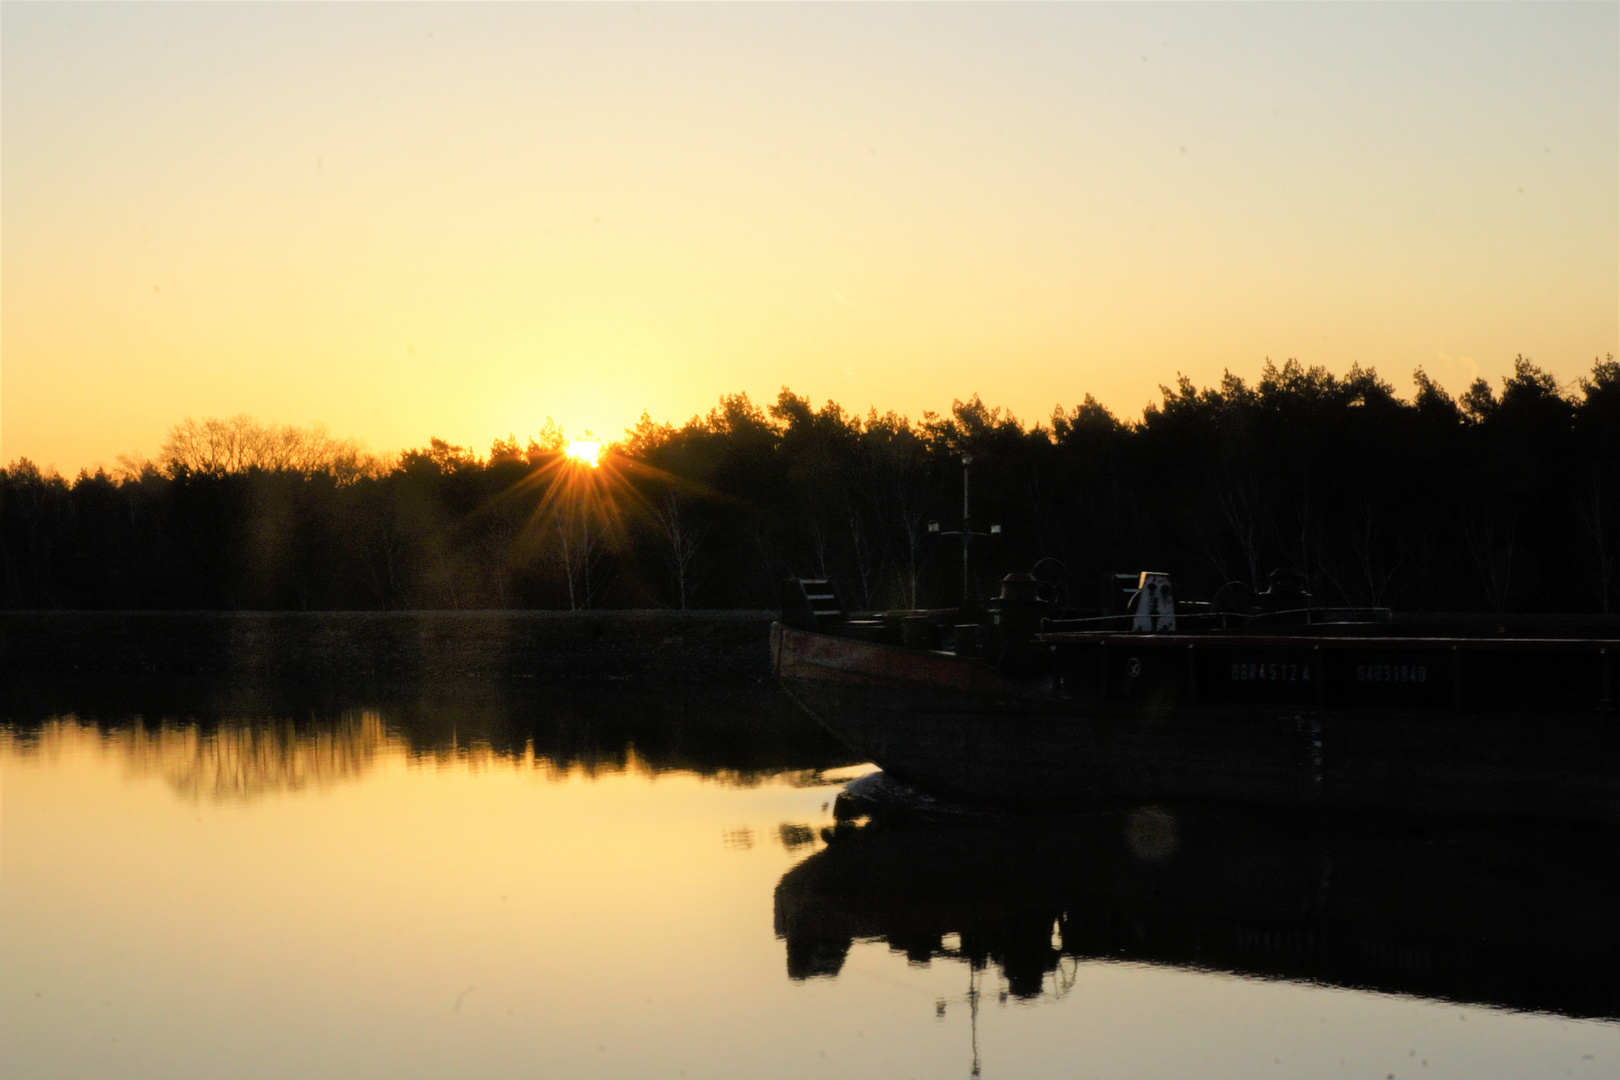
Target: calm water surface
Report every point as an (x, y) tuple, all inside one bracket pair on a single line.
[(415, 892)]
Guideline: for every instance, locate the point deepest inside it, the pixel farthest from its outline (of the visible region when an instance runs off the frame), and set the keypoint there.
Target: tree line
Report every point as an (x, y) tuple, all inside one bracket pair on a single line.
[(1494, 500)]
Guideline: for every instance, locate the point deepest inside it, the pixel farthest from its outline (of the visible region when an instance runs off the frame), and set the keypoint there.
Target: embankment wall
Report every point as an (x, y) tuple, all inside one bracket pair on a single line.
[(653, 647)]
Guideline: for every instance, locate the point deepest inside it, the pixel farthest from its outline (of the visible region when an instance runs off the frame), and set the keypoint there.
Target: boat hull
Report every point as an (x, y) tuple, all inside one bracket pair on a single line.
[(953, 727)]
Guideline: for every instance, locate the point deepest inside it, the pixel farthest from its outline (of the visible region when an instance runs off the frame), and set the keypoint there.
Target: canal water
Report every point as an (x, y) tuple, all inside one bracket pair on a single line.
[(459, 884)]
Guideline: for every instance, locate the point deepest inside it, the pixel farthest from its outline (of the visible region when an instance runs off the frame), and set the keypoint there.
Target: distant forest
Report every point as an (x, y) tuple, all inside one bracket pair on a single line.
[(1492, 500)]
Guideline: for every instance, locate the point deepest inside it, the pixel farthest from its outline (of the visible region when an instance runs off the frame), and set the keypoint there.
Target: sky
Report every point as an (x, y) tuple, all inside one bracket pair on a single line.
[(456, 220)]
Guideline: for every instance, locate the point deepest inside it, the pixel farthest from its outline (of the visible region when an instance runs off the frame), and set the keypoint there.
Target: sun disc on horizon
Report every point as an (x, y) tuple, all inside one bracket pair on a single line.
[(585, 452)]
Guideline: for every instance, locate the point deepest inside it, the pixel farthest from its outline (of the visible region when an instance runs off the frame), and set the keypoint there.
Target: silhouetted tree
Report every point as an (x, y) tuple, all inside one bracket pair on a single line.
[(1498, 499)]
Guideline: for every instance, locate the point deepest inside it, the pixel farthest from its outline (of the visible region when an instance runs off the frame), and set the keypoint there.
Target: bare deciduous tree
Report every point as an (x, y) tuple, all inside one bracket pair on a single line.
[(242, 443), (1490, 543), (684, 539), (576, 552), (1604, 540)]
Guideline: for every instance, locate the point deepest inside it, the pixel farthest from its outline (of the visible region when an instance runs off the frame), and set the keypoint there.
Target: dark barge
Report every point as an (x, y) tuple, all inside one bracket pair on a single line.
[(1293, 707)]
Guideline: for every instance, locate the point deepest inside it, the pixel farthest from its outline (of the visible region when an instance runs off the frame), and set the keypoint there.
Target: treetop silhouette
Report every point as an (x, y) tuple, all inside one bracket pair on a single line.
[(1494, 499)]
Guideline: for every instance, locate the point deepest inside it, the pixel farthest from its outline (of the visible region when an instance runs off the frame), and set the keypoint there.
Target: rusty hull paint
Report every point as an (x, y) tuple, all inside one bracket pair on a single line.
[(804, 654)]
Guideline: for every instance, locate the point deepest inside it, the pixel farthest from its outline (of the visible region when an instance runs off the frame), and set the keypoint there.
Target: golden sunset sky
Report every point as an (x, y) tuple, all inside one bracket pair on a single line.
[(457, 219)]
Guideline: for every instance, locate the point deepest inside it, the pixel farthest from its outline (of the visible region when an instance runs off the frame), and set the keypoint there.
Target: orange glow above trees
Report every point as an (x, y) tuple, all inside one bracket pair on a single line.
[(456, 219)]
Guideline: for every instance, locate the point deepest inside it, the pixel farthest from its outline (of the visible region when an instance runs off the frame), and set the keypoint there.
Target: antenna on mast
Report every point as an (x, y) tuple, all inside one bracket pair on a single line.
[(966, 532)]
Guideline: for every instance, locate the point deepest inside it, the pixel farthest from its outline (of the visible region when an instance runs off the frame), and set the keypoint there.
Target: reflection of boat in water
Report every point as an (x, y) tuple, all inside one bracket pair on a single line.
[(1519, 917), (1301, 706)]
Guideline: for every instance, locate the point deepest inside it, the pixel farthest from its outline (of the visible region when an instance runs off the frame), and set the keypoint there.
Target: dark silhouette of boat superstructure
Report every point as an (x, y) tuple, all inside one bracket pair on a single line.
[(1508, 915), (1279, 704)]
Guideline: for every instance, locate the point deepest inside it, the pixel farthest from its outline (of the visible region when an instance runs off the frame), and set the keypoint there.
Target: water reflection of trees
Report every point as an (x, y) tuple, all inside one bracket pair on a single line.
[(233, 740), (232, 760), (1513, 916)]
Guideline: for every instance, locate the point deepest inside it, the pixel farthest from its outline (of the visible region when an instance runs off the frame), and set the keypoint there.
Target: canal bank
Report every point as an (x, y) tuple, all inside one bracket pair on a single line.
[(652, 647)]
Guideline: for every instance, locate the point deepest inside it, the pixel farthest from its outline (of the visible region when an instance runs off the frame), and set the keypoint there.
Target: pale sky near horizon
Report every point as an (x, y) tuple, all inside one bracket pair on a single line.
[(455, 220)]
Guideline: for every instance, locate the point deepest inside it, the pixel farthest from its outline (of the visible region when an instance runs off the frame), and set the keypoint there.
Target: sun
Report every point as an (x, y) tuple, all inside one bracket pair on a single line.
[(585, 452)]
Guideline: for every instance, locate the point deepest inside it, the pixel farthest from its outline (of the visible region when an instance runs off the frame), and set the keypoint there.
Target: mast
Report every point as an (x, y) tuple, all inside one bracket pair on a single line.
[(967, 532)]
